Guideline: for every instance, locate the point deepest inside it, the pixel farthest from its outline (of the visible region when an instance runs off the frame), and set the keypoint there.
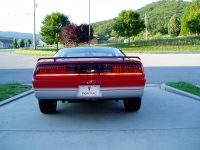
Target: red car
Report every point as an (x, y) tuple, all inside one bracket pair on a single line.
[(83, 74)]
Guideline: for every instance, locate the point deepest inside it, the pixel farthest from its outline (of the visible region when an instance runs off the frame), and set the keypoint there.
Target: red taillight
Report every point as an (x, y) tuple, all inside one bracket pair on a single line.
[(51, 69), (123, 68), (89, 69)]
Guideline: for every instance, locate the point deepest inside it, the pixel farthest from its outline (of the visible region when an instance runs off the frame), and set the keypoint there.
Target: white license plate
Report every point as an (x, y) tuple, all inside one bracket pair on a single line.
[(89, 90)]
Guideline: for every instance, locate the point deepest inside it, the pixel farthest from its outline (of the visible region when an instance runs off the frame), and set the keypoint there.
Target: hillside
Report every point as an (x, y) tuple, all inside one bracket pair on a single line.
[(158, 14), (11, 35)]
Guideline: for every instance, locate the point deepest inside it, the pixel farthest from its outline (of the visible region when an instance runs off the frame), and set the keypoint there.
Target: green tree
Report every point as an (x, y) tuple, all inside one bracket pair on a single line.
[(52, 26), (103, 28), (194, 24), (128, 24), (174, 26), (189, 21), (29, 41), (157, 36), (160, 12), (14, 43), (21, 43)]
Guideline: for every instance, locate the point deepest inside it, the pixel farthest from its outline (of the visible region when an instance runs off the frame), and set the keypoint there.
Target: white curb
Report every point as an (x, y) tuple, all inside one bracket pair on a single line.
[(176, 91)]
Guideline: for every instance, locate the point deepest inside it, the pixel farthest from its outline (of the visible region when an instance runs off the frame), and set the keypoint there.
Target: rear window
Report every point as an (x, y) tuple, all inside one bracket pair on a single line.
[(73, 52)]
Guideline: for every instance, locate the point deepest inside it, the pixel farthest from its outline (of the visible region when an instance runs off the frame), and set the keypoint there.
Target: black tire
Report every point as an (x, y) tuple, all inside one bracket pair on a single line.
[(47, 106), (132, 104)]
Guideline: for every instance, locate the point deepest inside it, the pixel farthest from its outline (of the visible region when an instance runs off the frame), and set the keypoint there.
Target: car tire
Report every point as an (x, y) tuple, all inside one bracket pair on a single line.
[(132, 104), (47, 106)]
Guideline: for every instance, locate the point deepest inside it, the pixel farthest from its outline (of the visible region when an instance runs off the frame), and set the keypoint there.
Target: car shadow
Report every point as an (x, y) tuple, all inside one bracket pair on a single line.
[(87, 108)]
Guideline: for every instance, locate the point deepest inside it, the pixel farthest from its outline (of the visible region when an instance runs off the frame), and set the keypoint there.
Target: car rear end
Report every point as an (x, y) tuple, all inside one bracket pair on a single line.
[(88, 78)]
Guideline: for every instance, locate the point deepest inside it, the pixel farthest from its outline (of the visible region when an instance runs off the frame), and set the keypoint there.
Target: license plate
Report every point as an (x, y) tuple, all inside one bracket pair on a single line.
[(89, 90)]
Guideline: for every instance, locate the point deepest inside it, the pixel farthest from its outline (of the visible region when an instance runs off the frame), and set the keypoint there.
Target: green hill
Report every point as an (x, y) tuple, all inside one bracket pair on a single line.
[(158, 14)]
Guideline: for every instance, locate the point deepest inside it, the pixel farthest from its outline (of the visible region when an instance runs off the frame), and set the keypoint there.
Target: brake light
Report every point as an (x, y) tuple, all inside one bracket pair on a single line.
[(121, 69), (126, 69), (89, 69), (51, 69)]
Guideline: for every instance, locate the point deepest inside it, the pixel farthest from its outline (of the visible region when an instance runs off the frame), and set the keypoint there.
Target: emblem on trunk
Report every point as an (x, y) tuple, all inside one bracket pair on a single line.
[(89, 69), (89, 87)]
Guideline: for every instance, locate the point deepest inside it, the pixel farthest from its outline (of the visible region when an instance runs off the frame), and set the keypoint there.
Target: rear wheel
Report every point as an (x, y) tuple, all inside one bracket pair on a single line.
[(132, 104), (47, 106)]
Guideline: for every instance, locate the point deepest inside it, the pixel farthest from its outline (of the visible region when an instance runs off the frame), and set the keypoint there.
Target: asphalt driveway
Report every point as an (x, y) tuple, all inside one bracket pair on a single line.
[(166, 121)]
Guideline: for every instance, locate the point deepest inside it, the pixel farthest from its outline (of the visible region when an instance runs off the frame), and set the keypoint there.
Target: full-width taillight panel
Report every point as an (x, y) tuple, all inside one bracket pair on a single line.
[(89, 69)]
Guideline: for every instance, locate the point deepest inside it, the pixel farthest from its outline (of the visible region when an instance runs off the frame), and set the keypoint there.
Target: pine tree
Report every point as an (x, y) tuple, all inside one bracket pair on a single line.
[(21, 44), (174, 26), (14, 43)]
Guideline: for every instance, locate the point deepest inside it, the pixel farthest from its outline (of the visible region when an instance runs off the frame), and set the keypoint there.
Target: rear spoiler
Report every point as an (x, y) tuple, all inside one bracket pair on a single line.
[(55, 58)]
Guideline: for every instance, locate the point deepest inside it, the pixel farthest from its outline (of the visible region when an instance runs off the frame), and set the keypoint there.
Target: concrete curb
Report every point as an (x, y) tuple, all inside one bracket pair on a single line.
[(14, 98), (176, 91)]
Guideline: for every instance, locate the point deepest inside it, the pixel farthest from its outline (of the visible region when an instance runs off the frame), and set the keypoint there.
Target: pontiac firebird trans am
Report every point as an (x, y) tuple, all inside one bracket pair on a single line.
[(82, 74)]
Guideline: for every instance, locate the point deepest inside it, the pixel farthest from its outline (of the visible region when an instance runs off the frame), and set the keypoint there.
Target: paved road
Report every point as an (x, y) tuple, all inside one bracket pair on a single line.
[(165, 67), (16, 68), (166, 121), (159, 68)]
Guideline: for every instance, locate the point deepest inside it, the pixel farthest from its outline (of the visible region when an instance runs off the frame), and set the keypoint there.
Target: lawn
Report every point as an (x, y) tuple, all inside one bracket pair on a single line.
[(48, 52), (190, 88), (151, 49), (155, 49), (12, 89), (124, 47)]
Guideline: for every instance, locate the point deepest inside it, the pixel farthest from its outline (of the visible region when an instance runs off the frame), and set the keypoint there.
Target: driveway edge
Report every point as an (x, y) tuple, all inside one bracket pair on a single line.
[(14, 98), (180, 92)]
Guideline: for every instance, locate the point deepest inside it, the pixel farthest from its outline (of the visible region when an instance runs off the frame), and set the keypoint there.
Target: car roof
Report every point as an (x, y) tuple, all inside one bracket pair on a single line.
[(91, 48)]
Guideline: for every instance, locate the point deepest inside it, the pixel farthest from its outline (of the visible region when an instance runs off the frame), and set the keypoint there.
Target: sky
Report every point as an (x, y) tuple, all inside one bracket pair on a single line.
[(17, 15)]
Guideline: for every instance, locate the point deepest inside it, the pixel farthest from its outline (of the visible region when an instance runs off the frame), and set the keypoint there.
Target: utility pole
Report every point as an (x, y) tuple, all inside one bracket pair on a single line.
[(89, 24), (34, 36), (146, 24)]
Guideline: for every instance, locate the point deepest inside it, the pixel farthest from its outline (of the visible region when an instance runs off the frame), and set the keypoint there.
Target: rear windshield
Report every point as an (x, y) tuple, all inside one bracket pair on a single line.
[(73, 52)]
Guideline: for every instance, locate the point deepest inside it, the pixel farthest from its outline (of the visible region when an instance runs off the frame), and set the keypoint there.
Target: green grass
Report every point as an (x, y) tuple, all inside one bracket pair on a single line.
[(123, 46), (152, 49), (190, 88), (43, 52), (12, 89)]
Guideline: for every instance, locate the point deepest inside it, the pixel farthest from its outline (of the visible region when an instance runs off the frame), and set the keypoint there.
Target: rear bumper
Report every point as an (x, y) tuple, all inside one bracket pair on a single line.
[(72, 93)]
